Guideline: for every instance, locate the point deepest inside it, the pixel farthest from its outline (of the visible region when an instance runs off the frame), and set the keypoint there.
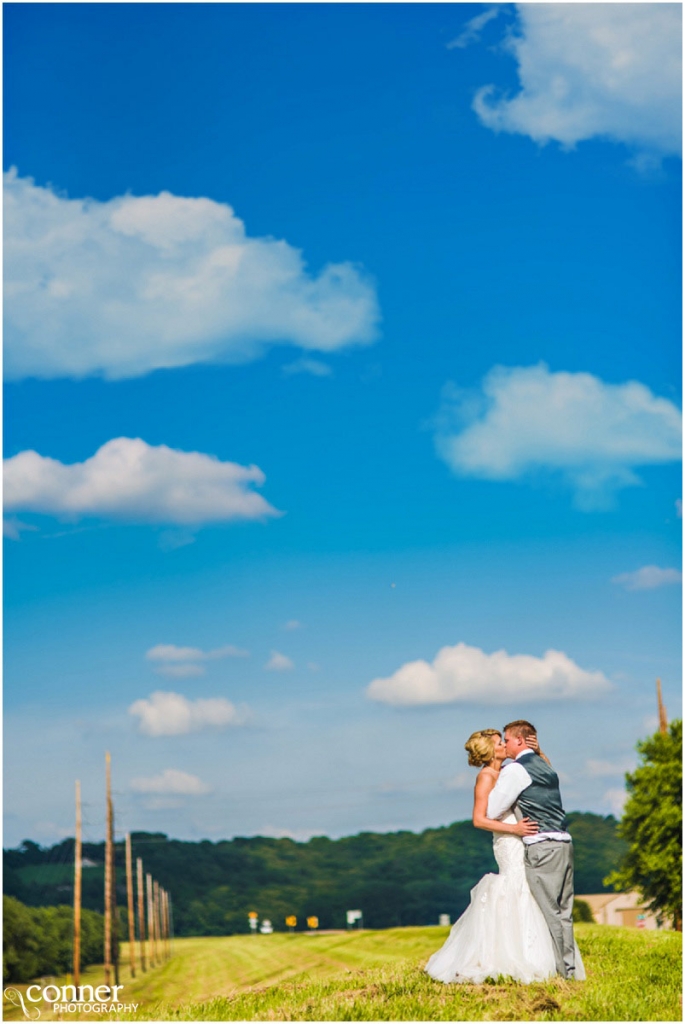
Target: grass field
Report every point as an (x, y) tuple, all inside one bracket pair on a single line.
[(377, 975), (55, 874)]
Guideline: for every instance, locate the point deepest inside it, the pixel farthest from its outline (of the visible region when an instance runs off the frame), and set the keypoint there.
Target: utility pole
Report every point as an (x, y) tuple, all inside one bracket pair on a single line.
[(160, 913), (141, 910), (161, 922), (171, 927), (663, 717), (129, 902), (77, 889), (108, 870), (166, 924), (164, 927), (159, 950), (165, 917), (150, 921), (115, 915)]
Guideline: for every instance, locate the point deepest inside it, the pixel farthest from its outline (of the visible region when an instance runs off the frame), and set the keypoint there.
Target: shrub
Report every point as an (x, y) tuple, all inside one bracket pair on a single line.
[(582, 911)]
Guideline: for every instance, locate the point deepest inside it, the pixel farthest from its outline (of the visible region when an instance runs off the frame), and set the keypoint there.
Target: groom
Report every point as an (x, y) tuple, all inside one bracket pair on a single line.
[(532, 783)]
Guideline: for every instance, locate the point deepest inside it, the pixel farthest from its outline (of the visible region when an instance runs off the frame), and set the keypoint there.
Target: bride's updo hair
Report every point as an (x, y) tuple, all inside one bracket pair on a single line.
[(480, 746)]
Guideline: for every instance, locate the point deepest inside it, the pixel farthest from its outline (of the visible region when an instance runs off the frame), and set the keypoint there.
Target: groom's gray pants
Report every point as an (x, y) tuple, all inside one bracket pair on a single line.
[(549, 871)]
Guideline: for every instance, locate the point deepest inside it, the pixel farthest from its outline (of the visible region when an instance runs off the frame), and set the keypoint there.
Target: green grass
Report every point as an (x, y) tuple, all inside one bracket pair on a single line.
[(632, 976), (54, 874)]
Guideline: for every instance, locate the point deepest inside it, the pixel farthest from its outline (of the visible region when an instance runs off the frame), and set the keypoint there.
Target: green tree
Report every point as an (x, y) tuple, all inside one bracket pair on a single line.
[(21, 942), (652, 825), (40, 940), (597, 850)]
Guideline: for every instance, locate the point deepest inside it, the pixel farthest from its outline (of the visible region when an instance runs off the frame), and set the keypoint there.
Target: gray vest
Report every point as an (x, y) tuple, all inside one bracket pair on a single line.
[(541, 801)]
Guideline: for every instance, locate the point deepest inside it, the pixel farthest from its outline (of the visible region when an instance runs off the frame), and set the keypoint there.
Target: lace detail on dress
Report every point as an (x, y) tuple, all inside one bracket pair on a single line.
[(508, 851)]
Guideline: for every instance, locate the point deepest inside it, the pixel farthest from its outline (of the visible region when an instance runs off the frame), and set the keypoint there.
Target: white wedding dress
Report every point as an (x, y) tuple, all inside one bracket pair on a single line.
[(502, 931)]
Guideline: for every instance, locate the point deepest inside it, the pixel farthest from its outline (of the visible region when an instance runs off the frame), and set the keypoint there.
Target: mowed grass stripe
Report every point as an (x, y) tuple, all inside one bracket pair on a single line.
[(204, 968)]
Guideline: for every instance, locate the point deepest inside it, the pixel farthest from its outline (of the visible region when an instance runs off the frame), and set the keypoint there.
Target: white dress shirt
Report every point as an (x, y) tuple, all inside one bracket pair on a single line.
[(512, 781)]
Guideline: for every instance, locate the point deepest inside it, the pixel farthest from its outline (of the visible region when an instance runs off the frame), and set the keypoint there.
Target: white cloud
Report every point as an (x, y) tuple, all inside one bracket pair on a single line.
[(472, 29), (170, 652), (610, 70), (123, 287), (171, 780), (182, 671), (527, 419), (649, 577), (298, 835), (292, 624), (179, 662), (13, 528), (463, 673), (312, 366), (609, 769), (171, 714), (172, 540), (163, 803), (49, 829), (461, 781), (132, 481), (615, 799), (279, 662)]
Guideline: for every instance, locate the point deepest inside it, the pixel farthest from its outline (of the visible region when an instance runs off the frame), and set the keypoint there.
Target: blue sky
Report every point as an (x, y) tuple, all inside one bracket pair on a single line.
[(444, 325)]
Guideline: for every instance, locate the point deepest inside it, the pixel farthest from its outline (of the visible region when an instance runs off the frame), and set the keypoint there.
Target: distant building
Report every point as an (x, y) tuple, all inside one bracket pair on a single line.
[(623, 908)]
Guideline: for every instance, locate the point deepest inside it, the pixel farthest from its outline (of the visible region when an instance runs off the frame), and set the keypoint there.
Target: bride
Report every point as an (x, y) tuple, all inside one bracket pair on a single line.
[(502, 931)]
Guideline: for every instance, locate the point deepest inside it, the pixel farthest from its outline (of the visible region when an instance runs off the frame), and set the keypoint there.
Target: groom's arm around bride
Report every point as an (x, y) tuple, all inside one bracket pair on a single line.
[(531, 782)]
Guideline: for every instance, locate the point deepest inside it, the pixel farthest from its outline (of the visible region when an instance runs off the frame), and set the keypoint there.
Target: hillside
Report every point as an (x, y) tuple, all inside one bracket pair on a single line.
[(397, 878)]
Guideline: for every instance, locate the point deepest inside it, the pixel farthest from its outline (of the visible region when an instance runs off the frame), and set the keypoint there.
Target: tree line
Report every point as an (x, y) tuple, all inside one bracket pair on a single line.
[(397, 878), (39, 940)]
